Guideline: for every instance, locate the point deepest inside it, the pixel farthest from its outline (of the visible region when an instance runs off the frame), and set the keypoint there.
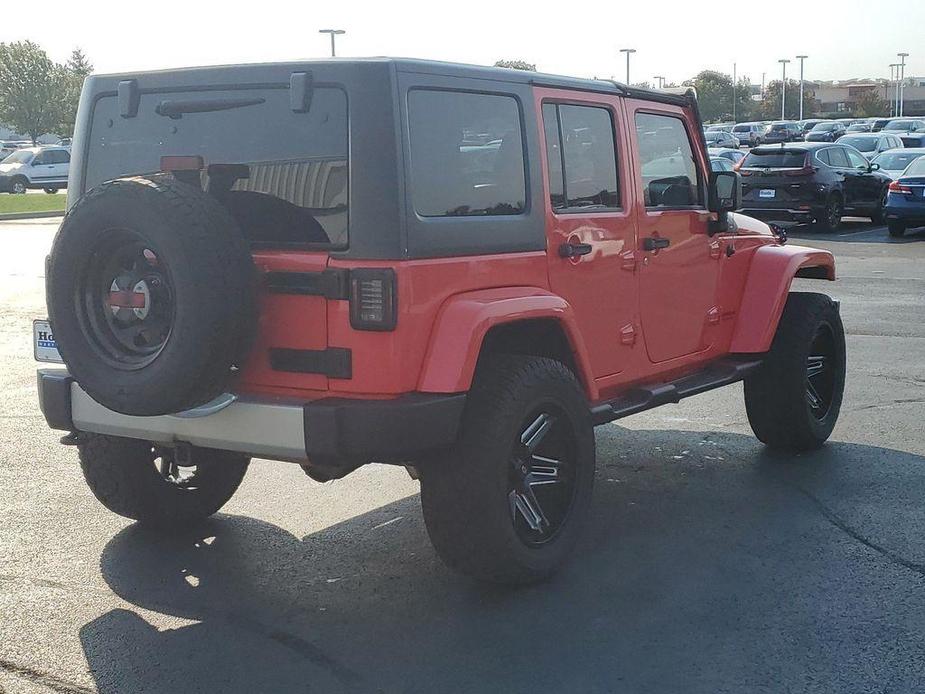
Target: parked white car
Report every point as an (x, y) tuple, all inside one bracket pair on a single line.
[(44, 168)]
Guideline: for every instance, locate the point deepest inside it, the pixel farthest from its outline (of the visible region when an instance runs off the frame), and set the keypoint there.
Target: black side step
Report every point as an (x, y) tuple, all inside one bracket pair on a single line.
[(641, 398)]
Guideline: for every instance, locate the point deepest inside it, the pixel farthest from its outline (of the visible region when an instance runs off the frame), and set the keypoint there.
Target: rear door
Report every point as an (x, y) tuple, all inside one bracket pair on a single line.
[(591, 234), (678, 277)]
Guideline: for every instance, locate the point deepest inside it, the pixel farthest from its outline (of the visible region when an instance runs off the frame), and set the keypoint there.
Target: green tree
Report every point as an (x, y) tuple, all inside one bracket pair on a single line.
[(869, 103), (30, 89), (516, 65), (715, 96), (73, 74), (769, 107)]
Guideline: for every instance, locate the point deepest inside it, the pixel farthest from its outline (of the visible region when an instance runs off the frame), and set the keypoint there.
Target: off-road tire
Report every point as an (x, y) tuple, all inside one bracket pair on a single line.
[(829, 219), (896, 229), (123, 475), (465, 495), (213, 294), (777, 396)]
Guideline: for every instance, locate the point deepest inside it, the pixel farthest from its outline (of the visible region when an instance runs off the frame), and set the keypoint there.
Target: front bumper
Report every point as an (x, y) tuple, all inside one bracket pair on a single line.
[(394, 430), (6, 183)]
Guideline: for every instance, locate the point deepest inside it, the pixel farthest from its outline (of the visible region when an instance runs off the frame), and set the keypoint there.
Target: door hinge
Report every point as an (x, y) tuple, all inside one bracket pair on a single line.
[(628, 334), (714, 315)]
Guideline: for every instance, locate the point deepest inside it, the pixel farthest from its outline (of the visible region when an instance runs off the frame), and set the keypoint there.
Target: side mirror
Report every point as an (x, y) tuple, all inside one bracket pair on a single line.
[(874, 167), (725, 191)]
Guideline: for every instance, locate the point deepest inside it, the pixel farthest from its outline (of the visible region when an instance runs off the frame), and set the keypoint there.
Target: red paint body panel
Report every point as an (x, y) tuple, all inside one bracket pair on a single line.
[(769, 278), (466, 318), (630, 315)]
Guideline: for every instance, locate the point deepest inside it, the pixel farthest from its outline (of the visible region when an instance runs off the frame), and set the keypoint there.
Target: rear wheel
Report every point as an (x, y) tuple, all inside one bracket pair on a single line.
[(147, 483), (50, 191), (878, 214), (794, 397), (896, 228), (508, 503), (829, 219)]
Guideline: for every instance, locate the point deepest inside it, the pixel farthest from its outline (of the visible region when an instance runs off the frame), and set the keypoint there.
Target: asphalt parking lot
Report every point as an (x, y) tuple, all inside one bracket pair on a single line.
[(710, 564)]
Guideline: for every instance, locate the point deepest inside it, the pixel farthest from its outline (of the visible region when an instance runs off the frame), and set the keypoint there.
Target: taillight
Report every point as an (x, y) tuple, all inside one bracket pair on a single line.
[(897, 187), (373, 299)]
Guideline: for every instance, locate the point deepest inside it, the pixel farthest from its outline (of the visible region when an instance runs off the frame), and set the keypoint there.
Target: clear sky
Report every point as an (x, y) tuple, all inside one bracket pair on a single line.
[(844, 38)]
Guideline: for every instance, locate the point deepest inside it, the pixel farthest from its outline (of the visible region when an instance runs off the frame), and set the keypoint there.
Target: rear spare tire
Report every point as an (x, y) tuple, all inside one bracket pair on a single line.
[(151, 294)]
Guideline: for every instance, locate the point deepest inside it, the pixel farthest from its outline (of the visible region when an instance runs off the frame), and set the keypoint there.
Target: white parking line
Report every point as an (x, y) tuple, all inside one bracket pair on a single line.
[(863, 231)]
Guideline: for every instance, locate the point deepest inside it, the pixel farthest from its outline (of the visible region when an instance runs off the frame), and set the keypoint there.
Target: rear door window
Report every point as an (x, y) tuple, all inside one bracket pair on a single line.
[(581, 157), (838, 158), (282, 174), (467, 155), (666, 157)]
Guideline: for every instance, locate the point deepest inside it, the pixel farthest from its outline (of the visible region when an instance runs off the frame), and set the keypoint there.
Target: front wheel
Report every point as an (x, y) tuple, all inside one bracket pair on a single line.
[(508, 503), (19, 186), (147, 483), (878, 216), (794, 397), (50, 191)]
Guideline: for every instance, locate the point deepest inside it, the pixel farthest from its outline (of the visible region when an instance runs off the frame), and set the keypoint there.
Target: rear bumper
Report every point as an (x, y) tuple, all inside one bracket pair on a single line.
[(394, 430)]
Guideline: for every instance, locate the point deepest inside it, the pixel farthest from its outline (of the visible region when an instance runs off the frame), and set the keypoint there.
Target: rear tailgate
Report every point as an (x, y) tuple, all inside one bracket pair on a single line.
[(282, 172), (778, 176)]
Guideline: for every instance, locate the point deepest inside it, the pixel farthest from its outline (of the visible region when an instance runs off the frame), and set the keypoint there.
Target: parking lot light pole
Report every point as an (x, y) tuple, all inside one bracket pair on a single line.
[(902, 76), (894, 87), (661, 80), (628, 51), (801, 58), (783, 88), (333, 33), (733, 93)]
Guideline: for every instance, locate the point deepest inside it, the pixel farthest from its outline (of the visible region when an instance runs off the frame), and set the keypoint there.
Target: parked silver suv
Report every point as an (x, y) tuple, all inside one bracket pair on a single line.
[(35, 167)]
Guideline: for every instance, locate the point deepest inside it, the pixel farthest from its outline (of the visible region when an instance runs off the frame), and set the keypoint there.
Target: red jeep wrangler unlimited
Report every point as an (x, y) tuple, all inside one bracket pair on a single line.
[(458, 269)]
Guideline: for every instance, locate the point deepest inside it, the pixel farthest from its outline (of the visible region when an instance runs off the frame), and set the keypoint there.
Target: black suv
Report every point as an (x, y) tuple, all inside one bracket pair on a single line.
[(808, 182), (783, 131)]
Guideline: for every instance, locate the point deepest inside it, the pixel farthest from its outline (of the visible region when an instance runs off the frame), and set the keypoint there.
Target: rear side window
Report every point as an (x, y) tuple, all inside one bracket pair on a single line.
[(282, 174), (838, 158), (56, 156), (669, 171), (467, 154), (581, 157), (774, 159)]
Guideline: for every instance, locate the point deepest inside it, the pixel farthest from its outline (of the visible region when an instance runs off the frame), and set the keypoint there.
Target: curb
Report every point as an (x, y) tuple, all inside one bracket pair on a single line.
[(11, 216)]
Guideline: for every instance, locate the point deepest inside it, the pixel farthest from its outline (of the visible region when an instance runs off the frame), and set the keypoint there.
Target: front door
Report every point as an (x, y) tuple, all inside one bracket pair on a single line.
[(680, 267), (590, 232)]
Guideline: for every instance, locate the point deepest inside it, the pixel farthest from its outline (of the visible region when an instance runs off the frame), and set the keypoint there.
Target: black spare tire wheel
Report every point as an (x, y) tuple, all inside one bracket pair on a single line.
[(151, 294)]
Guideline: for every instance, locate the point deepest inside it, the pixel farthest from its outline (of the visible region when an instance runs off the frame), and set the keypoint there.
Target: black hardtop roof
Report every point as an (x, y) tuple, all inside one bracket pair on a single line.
[(414, 65)]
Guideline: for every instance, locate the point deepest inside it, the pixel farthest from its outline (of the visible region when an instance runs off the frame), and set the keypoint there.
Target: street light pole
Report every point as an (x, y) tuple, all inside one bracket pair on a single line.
[(333, 33), (783, 88), (733, 93), (801, 58), (628, 51), (661, 80), (902, 76)]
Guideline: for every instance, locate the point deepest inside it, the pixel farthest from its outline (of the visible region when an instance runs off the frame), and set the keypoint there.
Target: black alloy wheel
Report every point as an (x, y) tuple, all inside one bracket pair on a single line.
[(542, 477), (126, 301), (820, 372)]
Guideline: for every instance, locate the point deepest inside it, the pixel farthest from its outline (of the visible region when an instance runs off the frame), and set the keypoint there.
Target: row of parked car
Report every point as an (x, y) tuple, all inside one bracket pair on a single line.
[(23, 166), (812, 130)]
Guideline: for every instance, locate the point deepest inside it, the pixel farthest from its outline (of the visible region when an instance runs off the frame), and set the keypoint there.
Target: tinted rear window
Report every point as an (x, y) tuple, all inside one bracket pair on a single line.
[(824, 127), (863, 144), (896, 161), (775, 159), (467, 154), (290, 185), (741, 129), (917, 168)]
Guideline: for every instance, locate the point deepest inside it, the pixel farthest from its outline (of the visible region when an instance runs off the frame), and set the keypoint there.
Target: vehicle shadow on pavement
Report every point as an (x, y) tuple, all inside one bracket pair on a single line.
[(710, 565)]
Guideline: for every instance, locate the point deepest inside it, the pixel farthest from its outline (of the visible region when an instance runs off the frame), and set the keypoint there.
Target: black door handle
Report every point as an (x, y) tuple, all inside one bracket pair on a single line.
[(653, 243), (573, 250)]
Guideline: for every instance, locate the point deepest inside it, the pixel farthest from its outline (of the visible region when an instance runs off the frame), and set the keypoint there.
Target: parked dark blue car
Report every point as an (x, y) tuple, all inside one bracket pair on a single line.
[(905, 201)]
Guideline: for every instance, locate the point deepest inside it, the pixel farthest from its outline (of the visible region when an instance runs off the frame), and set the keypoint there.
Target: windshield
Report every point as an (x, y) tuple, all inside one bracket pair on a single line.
[(897, 161), (901, 125), (23, 156), (774, 159), (823, 127), (742, 129), (864, 144), (777, 127), (714, 136)]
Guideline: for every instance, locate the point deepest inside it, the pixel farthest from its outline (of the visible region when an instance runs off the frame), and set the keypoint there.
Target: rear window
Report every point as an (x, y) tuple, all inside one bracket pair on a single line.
[(824, 127), (777, 127), (288, 182), (916, 168), (467, 154), (741, 129), (774, 159), (896, 161), (862, 144)]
